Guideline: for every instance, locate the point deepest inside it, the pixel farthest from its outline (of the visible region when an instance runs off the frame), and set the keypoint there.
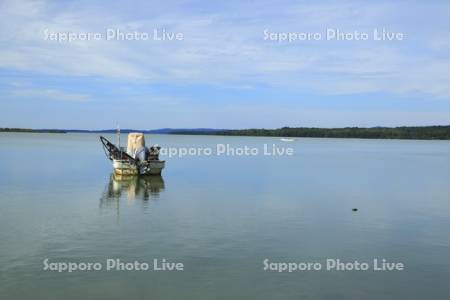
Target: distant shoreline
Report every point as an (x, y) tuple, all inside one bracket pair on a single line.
[(404, 132), (27, 130)]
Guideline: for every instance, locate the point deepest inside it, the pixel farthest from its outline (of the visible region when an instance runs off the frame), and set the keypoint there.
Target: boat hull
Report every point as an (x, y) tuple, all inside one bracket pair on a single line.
[(123, 167), (153, 167)]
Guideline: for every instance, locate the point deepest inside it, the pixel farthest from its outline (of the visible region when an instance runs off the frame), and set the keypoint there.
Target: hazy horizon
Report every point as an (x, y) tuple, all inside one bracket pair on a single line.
[(208, 128)]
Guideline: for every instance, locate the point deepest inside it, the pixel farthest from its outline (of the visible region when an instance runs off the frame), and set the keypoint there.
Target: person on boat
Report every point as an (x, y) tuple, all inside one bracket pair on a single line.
[(154, 152)]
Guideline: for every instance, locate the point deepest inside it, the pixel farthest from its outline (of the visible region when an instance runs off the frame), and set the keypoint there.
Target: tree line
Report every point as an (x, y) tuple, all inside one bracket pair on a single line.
[(417, 133)]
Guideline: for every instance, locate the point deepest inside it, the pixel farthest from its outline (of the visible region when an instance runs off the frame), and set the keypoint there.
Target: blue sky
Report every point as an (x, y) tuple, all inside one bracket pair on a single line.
[(223, 73)]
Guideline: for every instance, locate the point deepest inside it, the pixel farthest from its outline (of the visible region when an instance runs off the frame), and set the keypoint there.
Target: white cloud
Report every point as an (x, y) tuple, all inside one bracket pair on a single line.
[(51, 94), (228, 47)]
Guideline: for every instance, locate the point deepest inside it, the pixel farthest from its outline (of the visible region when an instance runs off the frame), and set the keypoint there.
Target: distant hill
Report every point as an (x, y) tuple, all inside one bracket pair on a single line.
[(154, 131)]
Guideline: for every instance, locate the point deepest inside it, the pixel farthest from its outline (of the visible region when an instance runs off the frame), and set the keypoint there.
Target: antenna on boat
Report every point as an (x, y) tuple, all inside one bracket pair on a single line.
[(118, 134), (118, 138)]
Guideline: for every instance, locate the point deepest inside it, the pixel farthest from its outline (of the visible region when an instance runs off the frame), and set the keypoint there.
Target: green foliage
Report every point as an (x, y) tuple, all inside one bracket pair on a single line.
[(417, 133)]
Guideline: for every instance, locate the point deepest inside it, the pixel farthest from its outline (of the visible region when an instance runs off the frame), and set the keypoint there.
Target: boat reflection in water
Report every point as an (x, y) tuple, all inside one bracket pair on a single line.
[(131, 188)]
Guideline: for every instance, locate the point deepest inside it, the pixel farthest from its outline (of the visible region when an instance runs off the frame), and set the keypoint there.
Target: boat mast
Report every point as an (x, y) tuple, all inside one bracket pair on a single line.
[(118, 138)]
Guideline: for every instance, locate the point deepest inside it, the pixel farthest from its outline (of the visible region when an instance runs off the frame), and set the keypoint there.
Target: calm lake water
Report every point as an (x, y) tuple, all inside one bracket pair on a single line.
[(221, 216)]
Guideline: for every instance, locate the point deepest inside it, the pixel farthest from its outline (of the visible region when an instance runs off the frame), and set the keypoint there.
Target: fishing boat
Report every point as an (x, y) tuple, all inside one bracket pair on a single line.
[(136, 159)]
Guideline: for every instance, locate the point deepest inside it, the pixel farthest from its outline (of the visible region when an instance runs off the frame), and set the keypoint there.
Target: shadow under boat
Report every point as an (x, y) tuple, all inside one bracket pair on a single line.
[(132, 188)]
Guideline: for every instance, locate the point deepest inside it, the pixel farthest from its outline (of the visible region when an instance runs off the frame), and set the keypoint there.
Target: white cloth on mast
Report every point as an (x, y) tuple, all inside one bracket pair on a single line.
[(136, 141)]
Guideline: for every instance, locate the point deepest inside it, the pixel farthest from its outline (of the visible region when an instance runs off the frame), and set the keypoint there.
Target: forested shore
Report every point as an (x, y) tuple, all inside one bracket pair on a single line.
[(416, 133)]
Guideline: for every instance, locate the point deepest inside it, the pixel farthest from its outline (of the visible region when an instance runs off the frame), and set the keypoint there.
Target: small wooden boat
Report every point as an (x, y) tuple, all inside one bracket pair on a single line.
[(136, 159)]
